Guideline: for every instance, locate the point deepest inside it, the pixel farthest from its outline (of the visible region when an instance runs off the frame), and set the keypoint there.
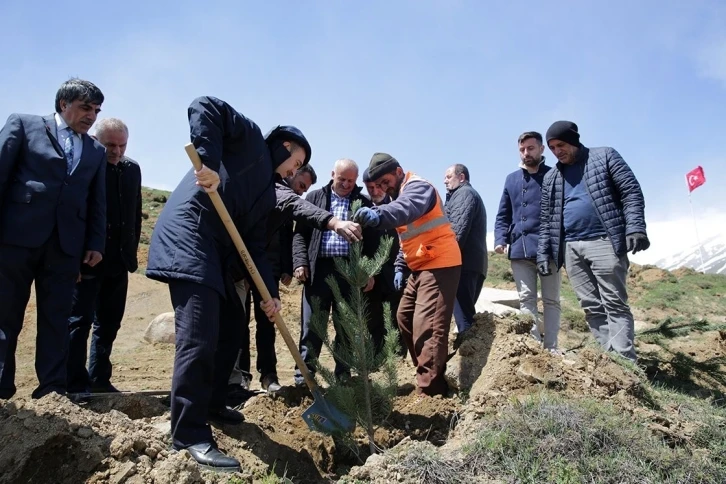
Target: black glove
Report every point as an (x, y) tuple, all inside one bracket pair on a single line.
[(637, 242), (544, 268)]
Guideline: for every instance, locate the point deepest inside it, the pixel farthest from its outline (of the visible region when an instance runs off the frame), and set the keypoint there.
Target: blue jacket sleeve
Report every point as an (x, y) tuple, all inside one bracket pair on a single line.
[(629, 191), (212, 120), (12, 137), (504, 218), (400, 263), (418, 199)]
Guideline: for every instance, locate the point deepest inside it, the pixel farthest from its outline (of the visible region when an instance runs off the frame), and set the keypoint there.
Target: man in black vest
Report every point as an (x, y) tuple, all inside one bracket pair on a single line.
[(100, 296)]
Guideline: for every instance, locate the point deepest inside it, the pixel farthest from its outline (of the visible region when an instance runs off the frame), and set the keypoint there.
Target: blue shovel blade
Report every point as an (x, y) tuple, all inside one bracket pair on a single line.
[(325, 418)]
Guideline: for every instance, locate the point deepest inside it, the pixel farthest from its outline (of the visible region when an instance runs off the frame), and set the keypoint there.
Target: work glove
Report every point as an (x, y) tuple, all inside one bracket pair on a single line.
[(544, 268), (367, 217), (637, 242), (398, 281)]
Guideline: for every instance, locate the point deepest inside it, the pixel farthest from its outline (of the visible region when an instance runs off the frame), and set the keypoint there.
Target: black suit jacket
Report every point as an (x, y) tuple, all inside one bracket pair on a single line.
[(130, 212), (128, 190), (36, 195)]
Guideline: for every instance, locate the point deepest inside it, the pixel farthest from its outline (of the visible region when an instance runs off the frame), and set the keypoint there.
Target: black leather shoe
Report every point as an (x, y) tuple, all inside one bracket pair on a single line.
[(226, 415), (104, 388), (210, 458)]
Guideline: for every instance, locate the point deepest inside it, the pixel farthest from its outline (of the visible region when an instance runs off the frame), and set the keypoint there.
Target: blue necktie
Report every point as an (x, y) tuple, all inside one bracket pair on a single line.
[(68, 149)]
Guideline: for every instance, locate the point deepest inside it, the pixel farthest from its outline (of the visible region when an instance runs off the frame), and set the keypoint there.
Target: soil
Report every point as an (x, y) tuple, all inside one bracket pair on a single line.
[(125, 439)]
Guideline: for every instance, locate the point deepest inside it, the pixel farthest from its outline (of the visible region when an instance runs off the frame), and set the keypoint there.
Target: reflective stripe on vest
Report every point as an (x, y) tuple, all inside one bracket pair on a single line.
[(414, 230), (429, 242)]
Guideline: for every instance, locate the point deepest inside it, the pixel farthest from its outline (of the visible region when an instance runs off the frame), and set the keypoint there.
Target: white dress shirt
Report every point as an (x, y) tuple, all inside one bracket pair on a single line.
[(62, 133)]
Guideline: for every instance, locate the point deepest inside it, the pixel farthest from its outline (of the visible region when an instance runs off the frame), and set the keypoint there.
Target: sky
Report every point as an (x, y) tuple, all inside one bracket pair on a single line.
[(433, 83)]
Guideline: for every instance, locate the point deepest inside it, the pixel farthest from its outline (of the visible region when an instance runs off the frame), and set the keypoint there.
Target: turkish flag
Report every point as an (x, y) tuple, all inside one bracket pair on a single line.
[(695, 178)]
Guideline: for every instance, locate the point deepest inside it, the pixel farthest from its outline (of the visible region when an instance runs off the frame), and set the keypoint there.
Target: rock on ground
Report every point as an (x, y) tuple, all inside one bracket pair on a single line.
[(501, 310), (161, 329), (500, 296)]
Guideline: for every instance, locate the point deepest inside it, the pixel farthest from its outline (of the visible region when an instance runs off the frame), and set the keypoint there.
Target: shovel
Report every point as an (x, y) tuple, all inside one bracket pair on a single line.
[(321, 415), (148, 393)]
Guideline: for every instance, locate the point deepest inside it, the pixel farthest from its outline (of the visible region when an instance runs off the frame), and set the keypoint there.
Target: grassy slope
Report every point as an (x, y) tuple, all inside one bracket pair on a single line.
[(678, 311), (681, 343), (152, 201)]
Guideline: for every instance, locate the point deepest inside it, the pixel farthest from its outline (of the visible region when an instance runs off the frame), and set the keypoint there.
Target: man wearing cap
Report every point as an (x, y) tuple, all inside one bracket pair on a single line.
[(592, 215), (190, 251), (430, 250), (384, 290)]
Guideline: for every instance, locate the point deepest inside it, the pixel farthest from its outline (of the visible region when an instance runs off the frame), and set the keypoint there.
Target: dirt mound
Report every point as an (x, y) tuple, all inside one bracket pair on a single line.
[(275, 435), (647, 274), (126, 439), (54, 437), (498, 359), (684, 271)]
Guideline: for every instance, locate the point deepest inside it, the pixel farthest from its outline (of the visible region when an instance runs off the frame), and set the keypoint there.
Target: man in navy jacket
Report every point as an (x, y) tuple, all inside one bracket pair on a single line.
[(593, 214), (468, 216), (516, 231), (191, 251), (52, 219)]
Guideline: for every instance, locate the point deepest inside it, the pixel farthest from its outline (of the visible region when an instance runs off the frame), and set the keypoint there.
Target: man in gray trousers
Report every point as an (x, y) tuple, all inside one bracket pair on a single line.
[(592, 215), (516, 232)]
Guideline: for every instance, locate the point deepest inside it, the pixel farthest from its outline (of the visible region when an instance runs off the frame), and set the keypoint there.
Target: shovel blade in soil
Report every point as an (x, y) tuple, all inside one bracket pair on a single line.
[(325, 418)]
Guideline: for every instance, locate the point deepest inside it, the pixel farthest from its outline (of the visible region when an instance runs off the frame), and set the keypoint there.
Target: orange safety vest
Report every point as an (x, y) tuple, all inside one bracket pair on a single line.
[(429, 242)]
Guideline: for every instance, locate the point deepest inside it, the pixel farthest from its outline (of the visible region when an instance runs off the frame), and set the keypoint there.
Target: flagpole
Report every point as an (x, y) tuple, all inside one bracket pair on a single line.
[(695, 225)]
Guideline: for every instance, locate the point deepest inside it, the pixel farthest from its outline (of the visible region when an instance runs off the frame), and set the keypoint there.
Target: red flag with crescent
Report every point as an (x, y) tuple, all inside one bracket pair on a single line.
[(695, 178)]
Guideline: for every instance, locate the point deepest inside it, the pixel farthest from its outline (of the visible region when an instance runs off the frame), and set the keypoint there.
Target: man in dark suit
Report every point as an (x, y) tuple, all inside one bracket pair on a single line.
[(52, 218), (100, 296)]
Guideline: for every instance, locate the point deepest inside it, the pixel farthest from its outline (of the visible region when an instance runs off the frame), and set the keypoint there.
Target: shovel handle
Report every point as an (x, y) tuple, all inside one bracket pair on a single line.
[(252, 270)]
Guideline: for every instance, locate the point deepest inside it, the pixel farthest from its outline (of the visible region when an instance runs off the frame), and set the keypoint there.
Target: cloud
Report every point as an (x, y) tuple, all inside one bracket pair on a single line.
[(711, 59)]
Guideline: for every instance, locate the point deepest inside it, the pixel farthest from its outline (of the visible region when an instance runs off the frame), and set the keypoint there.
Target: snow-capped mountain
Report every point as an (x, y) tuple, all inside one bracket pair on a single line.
[(712, 252)]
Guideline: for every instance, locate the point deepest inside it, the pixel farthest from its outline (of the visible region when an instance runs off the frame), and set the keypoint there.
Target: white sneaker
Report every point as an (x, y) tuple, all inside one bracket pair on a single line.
[(534, 332)]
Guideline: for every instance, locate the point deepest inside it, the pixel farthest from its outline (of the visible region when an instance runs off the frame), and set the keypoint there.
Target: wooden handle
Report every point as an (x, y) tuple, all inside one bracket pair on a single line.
[(252, 269)]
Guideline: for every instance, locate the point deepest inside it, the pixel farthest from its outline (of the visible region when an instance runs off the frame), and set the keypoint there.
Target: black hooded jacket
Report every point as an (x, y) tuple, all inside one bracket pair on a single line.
[(190, 241)]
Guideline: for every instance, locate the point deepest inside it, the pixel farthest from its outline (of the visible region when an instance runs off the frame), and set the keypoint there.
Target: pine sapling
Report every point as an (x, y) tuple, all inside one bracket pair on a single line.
[(368, 397)]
